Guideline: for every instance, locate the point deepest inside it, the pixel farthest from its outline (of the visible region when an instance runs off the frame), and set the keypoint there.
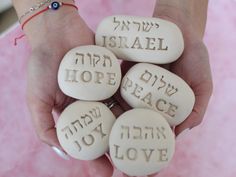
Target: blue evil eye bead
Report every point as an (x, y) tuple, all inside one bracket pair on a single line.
[(55, 5)]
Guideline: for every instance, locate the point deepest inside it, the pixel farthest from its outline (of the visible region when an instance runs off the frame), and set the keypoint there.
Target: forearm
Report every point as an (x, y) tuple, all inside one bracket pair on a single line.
[(50, 25), (184, 12)]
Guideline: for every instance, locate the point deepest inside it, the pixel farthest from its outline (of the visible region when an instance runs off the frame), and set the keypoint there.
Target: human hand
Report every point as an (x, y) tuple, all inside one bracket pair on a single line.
[(193, 67), (44, 96)]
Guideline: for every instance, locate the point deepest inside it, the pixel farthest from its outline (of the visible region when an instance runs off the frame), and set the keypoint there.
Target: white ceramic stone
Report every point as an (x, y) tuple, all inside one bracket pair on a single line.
[(83, 129), (150, 86), (141, 39), (141, 142), (89, 73)]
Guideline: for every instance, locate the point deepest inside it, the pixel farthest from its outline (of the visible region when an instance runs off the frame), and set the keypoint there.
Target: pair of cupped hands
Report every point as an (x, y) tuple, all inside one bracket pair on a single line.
[(60, 33)]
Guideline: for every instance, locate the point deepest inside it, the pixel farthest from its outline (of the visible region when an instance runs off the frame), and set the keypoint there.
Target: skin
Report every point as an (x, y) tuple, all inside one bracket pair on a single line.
[(65, 29)]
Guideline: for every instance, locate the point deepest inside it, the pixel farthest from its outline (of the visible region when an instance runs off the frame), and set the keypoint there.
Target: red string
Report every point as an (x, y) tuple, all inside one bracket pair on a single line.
[(17, 38), (47, 8), (36, 14), (30, 18), (72, 5)]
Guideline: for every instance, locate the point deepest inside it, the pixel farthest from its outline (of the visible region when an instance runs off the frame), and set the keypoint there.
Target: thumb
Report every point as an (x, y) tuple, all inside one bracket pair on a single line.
[(43, 121)]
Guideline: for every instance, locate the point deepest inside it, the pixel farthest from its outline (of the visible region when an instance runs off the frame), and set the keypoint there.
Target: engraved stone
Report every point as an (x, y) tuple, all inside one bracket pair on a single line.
[(150, 86), (83, 129), (141, 39), (141, 142), (89, 73)]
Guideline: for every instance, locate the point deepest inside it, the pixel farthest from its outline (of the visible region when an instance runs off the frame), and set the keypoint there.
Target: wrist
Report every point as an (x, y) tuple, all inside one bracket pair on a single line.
[(48, 21)]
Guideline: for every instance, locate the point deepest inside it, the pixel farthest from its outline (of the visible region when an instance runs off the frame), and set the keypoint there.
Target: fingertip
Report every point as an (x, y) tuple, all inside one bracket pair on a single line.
[(60, 153)]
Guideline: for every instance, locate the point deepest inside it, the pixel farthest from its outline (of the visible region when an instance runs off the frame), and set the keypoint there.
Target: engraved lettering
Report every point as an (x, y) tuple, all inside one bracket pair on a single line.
[(87, 119), (150, 43), (163, 155), (161, 44), (76, 124), (139, 132), (99, 130), (158, 103), (104, 41), (170, 90), (162, 82), (99, 77), (149, 131), (71, 75), (127, 83), (90, 59), (147, 99), (155, 79), (107, 58), (78, 145), (111, 78), (132, 153), (123, 42), (147, 26), (146, 76), (125, 128), (137, 44), (67, 131), (96, 59), (137, 91), (171, 110), (160, 132), (117, 153), (95, 112), (112, 43), (87, 78), (147, 155), (137, 23), (81, 55), (117, 23), (125, 24), (88, 140)]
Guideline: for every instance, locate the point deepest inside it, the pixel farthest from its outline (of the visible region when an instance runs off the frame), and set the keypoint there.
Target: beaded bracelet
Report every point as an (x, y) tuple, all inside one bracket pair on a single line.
[(55, 5)]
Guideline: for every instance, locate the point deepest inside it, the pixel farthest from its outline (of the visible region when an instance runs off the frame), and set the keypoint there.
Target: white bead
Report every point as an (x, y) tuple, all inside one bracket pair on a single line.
[(141, 39), (89, 73), (141, 142), (150, 86), (83, 129)]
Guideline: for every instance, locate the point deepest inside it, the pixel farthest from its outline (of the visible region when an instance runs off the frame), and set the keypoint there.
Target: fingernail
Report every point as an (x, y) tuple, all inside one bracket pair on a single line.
[(183, 134), (60, 153)]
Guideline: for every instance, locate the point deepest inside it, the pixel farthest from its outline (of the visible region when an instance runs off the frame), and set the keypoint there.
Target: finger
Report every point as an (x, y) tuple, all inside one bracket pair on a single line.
[(196, 116), (101, 166), (43, 121)]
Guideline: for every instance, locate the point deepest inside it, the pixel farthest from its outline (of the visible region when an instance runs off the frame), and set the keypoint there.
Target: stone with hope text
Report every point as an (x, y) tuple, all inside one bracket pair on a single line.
[(141, 142), (83, 129), (89, 73), (150, 86), (141, 39)]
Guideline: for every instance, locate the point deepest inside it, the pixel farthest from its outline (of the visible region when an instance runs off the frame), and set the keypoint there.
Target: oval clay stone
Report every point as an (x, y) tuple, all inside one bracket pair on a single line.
[(83, 129), (150, 86), (141, 39), (141, 142), (89, 73)]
